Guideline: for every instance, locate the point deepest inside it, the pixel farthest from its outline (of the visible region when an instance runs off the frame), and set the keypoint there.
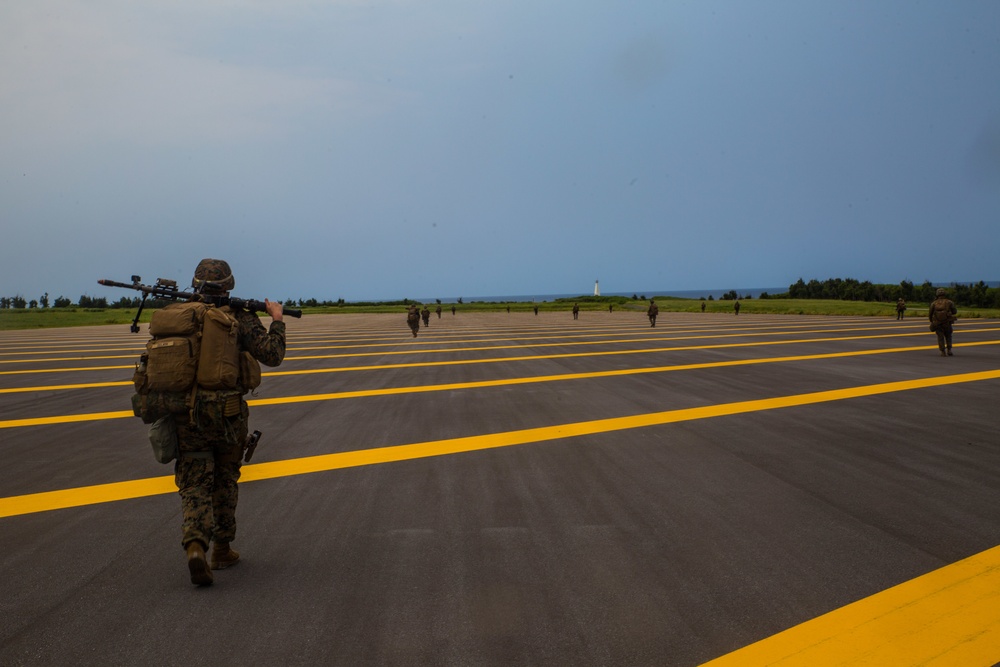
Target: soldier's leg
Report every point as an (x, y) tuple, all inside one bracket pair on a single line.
[(225, 496), (194, 482), (225, 492), (194, 471), (224, 500), (194, 478), (941, 341), (194, 474)]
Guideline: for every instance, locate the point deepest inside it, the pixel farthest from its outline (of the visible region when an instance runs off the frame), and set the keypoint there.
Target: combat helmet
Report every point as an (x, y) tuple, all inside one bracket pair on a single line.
[(213, 276), (941, 292)]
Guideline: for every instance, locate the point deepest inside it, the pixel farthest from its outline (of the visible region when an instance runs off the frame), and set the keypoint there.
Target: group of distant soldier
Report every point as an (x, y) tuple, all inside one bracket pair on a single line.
[(414, 315)]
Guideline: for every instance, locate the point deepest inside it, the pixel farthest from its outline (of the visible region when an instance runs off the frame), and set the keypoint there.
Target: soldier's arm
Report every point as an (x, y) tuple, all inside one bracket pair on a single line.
[(266, 345)]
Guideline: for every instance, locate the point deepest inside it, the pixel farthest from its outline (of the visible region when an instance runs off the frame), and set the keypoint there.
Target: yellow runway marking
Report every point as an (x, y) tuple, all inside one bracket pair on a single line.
[(946, 617), (62, 387), (297, 344), (393, 391), (77, 369), (65, 419), (426, 364), (563, 343), (51, 500)]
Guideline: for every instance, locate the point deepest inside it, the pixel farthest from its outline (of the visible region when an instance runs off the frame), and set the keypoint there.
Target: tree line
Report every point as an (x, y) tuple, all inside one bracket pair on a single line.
[(975, 295), (85, 301)]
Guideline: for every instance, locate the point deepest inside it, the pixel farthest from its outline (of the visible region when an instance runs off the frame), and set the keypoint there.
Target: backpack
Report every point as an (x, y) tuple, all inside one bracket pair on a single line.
[(194, 345), (173, 353), (942, 314)]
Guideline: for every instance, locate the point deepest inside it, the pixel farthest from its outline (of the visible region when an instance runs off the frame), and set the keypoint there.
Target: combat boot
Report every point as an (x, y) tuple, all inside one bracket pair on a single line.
[(223, 556), (201, 575)]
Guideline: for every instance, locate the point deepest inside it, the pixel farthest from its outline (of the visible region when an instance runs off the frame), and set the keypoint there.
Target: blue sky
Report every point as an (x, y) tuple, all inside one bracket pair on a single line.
[(391, 149)]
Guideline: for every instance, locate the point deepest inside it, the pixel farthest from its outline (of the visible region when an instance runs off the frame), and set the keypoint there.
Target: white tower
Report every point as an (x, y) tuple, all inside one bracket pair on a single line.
[(597, 288)]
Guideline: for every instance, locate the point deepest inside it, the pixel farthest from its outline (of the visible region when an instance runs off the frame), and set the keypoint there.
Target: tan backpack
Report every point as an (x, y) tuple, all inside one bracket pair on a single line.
[(942, 313), (194, 345), (173, 354)]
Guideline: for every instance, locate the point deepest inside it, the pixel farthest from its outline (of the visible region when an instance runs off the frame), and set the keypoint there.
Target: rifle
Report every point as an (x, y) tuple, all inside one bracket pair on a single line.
[(167, 289)]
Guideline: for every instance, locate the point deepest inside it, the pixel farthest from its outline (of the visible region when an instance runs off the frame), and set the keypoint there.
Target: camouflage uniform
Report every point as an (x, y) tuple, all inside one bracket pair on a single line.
[(413, 319), (652, 312), (941, 314), (211, 443)]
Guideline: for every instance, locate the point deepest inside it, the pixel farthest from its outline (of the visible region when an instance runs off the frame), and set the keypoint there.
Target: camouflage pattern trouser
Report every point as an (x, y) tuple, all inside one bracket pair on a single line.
[(944, 332), (208, 466)]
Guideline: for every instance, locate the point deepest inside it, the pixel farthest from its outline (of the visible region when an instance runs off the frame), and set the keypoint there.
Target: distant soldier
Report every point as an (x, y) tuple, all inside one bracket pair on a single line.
[(413, 319), (900, 308), (426, 315), (703, 306), (453, 310), (576, 311), (438, 311), (611, 307), (536, 310), (736, 306), (652, 312), (943, 314)]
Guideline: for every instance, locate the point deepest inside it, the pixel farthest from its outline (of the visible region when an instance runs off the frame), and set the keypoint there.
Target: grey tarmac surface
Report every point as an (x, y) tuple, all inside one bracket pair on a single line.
[(668, 544)]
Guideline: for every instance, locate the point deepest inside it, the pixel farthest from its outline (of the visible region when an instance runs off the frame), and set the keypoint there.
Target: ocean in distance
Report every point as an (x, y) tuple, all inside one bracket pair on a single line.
[(753, 292)]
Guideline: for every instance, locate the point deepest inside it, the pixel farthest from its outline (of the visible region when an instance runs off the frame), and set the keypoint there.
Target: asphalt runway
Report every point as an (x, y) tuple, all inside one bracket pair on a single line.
[(512, 489)]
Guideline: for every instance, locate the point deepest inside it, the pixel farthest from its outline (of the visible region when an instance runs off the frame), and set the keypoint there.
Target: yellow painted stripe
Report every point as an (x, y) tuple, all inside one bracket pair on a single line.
[(947, 617), (86, 495), (686, 348), (425, 364), (65, 419), (62, 387), (561, 343), (366, 393), (449, 350), (35, 371), (448, 337), (393, 391), (52, 500)]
